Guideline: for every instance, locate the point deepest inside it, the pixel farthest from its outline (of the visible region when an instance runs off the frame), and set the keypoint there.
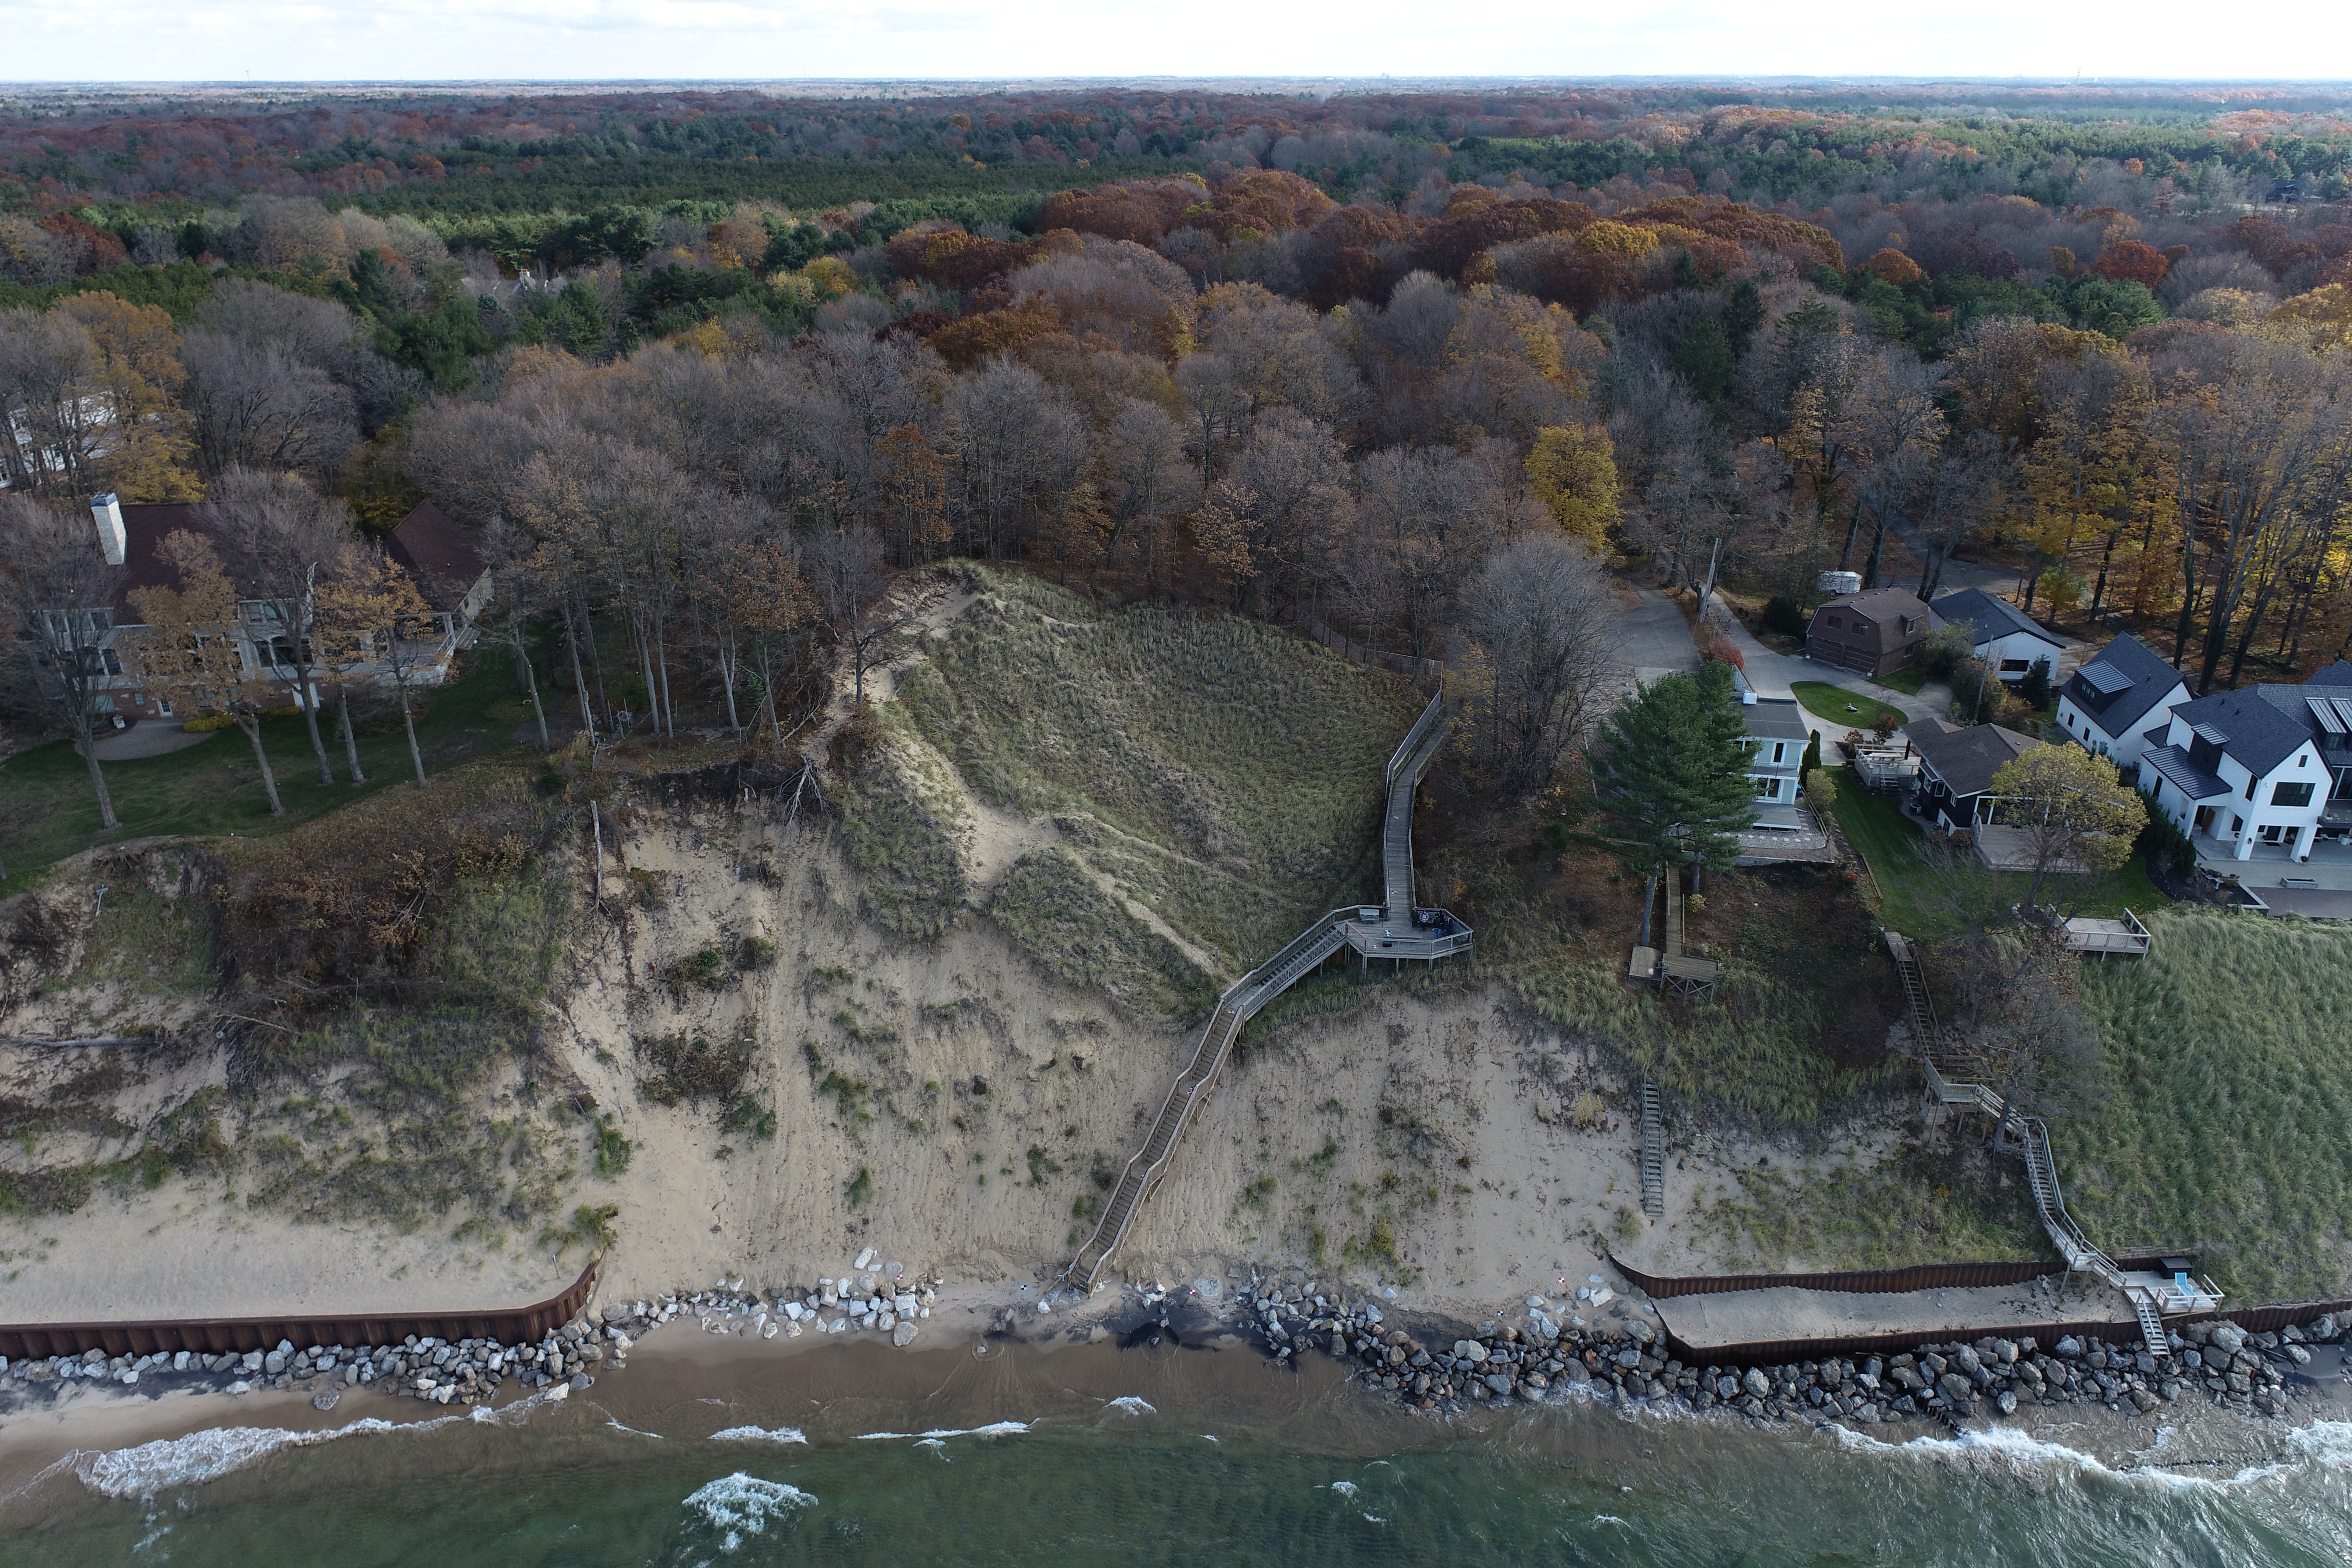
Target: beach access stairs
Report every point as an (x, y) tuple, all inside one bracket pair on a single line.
[(2152, 1294), (1394, 930)]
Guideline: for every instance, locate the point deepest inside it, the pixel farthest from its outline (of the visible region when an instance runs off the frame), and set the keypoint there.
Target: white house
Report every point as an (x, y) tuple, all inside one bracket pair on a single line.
[(447, 567), (1777, 738), (2257, 768), (2002, 634), (2120, 703)]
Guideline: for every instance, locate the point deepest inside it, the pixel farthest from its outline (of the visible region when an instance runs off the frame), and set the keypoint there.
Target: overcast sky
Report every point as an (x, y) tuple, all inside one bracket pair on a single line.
[(211, 40)]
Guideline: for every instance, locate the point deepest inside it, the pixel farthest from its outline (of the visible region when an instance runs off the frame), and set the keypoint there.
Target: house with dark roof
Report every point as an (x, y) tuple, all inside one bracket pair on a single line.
[(2007, 639), (447, 567), (2262, 767), (445, 560), (1876, 631), (1957, 764), (2114, 703)]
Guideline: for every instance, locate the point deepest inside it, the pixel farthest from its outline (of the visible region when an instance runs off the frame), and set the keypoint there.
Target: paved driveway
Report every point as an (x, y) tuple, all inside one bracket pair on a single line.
[(1651, 637), (1773, 674)]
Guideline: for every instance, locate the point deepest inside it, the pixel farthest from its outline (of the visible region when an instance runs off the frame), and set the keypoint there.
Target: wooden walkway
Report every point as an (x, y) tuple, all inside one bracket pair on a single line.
[(1397, 930), (2151, 1295)]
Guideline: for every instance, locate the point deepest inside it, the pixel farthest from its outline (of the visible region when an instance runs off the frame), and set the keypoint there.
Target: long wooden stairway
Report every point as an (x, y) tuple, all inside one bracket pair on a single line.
[(1301, 958), (2150, 1294)]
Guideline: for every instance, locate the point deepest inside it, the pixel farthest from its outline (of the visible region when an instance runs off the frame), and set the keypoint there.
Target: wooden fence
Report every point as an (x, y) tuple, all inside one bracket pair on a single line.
[(221, 1336)]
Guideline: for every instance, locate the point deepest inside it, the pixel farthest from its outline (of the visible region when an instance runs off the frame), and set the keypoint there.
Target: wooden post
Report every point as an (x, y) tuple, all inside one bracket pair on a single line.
[(596, 822)]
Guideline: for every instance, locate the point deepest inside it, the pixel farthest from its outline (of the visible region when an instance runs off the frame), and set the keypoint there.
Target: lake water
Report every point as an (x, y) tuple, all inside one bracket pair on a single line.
[(1210, 1458)]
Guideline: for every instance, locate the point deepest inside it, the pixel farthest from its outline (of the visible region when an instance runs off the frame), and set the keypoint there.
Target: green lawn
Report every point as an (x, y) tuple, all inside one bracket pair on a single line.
[(1829, 703), (1906, 681), (1915, 902), (48, 811)]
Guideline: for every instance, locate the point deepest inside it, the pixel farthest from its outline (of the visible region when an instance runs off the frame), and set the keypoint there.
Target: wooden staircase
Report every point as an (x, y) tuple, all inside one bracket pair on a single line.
[(2147, 1292), (1653, 1154), (1301, 958)]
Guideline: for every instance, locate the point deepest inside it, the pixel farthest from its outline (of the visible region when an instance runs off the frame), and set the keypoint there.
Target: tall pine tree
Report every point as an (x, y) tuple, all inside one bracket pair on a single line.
[(1669, 773)]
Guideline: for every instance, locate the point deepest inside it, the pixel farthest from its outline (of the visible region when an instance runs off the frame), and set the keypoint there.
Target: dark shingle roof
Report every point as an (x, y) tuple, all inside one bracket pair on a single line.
[(1882, 606), (145, 526), (2151, 678), (1987, 617), (439, 554), (2337, 674), (1966, 760), (2262, 731)]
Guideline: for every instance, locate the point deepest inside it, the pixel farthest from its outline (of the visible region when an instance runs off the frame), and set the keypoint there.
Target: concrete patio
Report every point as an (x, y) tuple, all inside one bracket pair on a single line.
[(2269, 868)]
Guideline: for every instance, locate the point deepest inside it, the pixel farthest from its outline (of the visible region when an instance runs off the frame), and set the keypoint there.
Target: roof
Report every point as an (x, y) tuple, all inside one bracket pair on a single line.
[(2173, 764), (144, 527), (439, 553), (2147, 678), (1881, 604), (1777, 719), (1966, 760), (2337, 674), (1987, 617), (2260, 727)]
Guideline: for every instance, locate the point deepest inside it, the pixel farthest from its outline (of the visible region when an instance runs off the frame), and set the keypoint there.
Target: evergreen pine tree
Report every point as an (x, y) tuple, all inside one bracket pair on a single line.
[(1669, 773)]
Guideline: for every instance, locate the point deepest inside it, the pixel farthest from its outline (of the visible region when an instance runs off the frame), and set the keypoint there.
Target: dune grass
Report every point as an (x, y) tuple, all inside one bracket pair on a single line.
[(1227, 775), (1054, 908), (2226, 1124)]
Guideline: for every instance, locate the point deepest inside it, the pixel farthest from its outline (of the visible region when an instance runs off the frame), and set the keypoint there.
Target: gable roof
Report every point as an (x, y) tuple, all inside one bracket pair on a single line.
[(439, 553), (1966, 759), (1987, 617), (2261, 730), (1882, 604), (2149, 680)]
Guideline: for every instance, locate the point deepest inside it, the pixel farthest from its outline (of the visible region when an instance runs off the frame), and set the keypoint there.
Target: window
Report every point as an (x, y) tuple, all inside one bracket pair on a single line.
[(2268, 832), (1834, 621), (2237, 825), (1780, 750), (2290, 795), (2017, 664), (1768, 789)]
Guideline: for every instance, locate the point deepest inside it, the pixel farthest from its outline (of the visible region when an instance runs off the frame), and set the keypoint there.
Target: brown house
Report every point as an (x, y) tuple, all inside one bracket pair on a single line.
[(1876, 631)]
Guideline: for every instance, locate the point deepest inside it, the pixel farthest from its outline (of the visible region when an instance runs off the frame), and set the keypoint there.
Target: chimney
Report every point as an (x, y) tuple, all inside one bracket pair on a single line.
[(110, 537)]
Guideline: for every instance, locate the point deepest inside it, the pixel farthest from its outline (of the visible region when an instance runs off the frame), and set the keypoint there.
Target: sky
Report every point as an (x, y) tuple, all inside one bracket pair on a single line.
[(289, 40)]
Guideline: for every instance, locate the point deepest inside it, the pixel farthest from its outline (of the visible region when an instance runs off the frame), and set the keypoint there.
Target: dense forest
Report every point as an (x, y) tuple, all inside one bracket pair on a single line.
[(703, 367)]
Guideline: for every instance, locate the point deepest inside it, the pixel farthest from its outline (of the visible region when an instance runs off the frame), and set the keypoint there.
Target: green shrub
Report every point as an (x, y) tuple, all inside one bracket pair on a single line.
[(2162, 838), (1785, 615), (613, 1151)]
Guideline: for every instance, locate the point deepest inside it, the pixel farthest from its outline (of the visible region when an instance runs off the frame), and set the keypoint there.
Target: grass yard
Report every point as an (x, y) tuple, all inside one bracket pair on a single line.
[(1907, 681), (2227, 1066), (47, 811), (1829, 703), (1225, 773), (1914, 884)]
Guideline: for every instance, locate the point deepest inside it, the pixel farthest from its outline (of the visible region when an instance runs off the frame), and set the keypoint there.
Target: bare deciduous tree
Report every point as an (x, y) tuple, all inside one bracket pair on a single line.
[(60, 593), (1541, 614)]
